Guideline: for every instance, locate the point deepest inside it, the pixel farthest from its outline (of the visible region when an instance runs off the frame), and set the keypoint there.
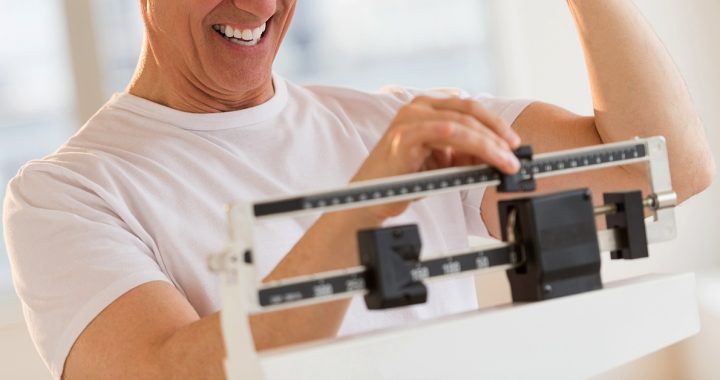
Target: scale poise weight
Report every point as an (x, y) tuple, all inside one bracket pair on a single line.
[(551, 249)]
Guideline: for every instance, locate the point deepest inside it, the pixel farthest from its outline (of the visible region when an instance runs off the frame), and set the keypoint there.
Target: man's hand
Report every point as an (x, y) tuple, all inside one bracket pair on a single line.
[(431, 133)]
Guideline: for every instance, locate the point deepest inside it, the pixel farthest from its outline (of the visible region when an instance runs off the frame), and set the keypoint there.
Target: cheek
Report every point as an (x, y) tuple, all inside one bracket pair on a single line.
[(180, 24), (176, 16), (287, 17)]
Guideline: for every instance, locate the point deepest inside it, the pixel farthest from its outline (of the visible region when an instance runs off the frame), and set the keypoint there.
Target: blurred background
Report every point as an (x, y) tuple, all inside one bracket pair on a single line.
[(62, 59)]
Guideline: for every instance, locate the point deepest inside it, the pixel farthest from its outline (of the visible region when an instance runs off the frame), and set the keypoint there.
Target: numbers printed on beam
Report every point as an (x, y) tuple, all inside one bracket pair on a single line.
[(347, 284), (292, 296), (322, 290), (482, 261), (451, 267), (355, 284), (419, 273)]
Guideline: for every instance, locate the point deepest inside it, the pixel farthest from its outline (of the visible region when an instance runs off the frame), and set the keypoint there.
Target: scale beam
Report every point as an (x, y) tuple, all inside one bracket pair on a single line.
[(331, 286), (412, 186)]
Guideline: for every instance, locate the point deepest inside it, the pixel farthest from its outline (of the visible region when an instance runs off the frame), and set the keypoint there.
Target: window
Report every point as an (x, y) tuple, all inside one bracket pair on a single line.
[(368, 44), (35, 90), (118, 51)]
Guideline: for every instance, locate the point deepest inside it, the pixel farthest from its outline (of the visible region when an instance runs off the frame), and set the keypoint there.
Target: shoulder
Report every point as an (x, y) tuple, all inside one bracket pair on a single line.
[(50, 187), (387, 97), (387, 100), (81, 168), (347, 100)]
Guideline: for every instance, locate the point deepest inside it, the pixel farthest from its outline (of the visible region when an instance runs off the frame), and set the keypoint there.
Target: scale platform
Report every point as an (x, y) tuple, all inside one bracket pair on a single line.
[(572, 337)]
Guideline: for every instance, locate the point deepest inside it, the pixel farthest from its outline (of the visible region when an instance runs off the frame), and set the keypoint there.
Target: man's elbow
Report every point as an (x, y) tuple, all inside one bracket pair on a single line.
[(704, 172), (709, 171)]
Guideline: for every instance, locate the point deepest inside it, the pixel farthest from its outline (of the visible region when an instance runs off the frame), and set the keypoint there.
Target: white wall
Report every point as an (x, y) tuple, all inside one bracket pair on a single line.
[(18, 358), (539, 57)]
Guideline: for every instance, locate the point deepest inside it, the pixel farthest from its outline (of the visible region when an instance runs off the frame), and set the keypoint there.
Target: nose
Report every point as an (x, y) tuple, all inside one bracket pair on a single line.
[(259, 8)]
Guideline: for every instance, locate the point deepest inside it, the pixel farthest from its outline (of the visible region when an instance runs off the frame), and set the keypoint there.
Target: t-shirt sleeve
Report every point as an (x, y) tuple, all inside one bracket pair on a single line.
[(71, 256)]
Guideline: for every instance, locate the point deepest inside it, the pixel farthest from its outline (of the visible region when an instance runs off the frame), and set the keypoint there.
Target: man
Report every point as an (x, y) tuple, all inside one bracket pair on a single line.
[(108, 237)]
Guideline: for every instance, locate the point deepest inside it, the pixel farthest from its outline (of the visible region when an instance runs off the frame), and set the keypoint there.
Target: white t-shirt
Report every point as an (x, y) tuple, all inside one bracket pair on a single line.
[(138, 195)]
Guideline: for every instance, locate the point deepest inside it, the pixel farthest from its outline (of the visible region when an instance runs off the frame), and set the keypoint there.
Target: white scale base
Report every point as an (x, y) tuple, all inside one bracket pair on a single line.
[(567, 338)]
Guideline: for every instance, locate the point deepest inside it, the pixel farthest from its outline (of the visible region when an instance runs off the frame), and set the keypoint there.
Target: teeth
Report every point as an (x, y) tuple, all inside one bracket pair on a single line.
[(246, 36), (243, 42)]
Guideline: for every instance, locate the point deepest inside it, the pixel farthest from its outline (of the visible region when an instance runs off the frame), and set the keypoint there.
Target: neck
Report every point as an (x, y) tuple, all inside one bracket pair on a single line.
[(175, 89)]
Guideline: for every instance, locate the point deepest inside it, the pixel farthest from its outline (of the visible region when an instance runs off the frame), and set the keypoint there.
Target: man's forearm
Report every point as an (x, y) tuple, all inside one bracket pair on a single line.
[(196, 351), (638, 91), (328, 245)]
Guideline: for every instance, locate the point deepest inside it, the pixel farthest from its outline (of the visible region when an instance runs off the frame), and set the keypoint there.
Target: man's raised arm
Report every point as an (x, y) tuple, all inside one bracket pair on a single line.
[(636, 91)]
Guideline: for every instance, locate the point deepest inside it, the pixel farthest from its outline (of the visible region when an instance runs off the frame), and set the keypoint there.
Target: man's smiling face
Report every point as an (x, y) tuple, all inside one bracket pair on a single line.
[(221, 47)]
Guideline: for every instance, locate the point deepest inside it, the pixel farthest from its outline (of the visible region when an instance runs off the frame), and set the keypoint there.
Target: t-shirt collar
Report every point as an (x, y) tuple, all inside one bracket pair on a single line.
[(206, 121)]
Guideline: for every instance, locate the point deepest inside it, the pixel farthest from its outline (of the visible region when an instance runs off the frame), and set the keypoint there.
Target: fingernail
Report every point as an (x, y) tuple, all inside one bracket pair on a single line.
[(514, 139), (510, 159)]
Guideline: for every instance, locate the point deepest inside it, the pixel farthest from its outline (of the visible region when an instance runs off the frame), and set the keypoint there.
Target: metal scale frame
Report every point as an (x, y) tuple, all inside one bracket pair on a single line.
[(242, 293)]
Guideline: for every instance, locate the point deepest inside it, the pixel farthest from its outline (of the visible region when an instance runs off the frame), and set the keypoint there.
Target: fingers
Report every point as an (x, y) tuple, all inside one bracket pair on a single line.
[(483, 145), (417, 142), (475, 110), (430, 133), (477, 139), (418, 111), (440, 158)]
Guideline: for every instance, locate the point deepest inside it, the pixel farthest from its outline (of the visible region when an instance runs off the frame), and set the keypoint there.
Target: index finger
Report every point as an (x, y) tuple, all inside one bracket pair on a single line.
[(475, 109)]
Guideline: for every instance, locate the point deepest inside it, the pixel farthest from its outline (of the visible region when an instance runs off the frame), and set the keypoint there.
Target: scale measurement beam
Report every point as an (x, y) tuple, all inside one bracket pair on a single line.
[(319, 287), (346, 283), (502, 257), (413, 186), (324, 287)]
